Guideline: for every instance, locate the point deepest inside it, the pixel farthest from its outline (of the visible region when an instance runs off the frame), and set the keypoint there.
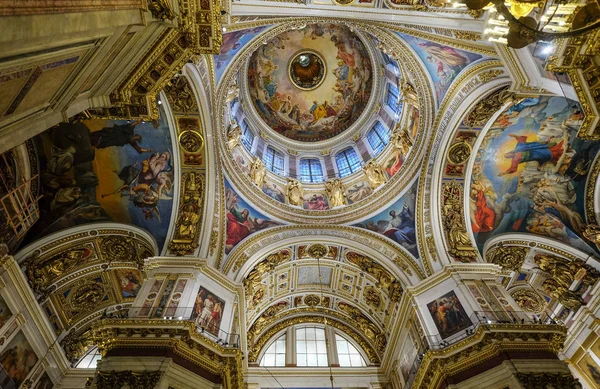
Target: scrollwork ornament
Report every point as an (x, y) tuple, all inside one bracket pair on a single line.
[(509, 257), (317, 250), (133, 379), (118, 248), (191, 141), (528, 300), (454, 222), (544, 380)]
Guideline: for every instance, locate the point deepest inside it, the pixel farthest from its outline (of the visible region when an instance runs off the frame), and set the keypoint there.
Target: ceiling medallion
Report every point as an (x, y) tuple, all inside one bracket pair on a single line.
[(317, 250), (307, 69), (343, 2)]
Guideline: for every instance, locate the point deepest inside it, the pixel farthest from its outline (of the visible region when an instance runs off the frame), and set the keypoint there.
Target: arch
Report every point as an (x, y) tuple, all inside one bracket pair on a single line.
[(257, 341), (250, 251)]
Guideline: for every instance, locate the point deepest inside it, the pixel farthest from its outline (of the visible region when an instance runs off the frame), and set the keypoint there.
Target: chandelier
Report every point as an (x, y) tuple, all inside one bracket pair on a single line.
[(519, 23)]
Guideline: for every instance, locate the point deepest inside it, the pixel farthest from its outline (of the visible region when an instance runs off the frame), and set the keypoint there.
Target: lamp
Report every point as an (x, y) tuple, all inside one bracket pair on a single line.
[(519, 23)]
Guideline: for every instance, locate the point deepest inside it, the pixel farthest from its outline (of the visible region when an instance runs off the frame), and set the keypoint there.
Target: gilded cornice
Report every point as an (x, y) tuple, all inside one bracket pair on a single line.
[(411, 68), (488, 341), (270, 238), (172, 264), (198, 31), (450, 270), (179, 336)]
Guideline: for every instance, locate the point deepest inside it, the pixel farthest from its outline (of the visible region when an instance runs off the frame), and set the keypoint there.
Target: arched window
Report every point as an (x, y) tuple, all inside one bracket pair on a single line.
[(275, 354), (247, 136), (348, 355), (378, 137), (393, 98), (311, 348), (311, 170), (90, 359), (347, 162), (273, 160)]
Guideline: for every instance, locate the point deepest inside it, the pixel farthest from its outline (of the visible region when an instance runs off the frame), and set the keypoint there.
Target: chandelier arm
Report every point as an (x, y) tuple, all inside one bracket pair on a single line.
[(538, 34)]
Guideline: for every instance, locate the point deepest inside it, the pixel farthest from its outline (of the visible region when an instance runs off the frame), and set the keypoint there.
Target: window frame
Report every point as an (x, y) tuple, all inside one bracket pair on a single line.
[(270, 165), (394, 104), (350, 168), (311, 178), (247, 135), (383, 136)]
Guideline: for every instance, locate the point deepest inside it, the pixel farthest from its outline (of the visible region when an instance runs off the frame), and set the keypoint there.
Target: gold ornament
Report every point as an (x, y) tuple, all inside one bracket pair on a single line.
[(335, 192), (374, 174), (294, 192), (257, 172), (529, 300)]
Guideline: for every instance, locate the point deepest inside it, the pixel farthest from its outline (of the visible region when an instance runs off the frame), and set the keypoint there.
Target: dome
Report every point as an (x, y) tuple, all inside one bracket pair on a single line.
[(312, 83)]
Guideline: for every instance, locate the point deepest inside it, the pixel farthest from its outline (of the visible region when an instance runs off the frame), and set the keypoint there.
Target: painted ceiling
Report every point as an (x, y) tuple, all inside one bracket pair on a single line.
[(312, 83)]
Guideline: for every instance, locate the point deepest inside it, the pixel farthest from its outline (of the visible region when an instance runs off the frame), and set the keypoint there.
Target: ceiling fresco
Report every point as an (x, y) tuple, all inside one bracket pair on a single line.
[(443, 63), (103, 170), (243, 220), (312, 83), (233, 42), (397, 222), (530, 173)]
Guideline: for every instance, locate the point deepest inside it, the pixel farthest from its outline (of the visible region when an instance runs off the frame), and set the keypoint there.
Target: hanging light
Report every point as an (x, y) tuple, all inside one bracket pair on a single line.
[(520, 23)]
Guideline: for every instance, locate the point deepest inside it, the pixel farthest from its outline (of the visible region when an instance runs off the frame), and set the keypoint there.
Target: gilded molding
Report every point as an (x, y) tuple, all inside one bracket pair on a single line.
[(487, 342), (256, 342)]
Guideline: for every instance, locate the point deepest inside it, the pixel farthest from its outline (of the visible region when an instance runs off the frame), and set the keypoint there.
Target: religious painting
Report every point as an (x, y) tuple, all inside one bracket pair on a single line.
[(358, 191), (241, 161), (448, 315), (208, 311), (407, 357), (312, 83), (233, 42), (397, 222), (274, 191), (130, 281), (242, 219), (44, 383), (17, 360), (590, 368), (530, 173), (315, 202), (393, 164), (443, 63), (413, 120), (104, 170), (5, 312)]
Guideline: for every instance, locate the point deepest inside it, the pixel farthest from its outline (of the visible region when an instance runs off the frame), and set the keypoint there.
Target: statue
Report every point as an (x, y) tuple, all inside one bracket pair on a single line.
[(565, 272), (401, 140), (188, 220), (233, 135), (374, 174), (566, 297), (257, 172), (294, 192), (335, 192)]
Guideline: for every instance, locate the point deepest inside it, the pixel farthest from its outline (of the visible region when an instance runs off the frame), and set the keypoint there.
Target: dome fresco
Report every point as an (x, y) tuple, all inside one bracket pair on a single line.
[(311, 84)]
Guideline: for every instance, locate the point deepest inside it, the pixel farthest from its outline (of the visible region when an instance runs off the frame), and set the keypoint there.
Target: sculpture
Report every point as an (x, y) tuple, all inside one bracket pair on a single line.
[(294, 192), (566, 297), (233, 135), (335, 192), (374, 174), (401, 140), (257, 172)]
